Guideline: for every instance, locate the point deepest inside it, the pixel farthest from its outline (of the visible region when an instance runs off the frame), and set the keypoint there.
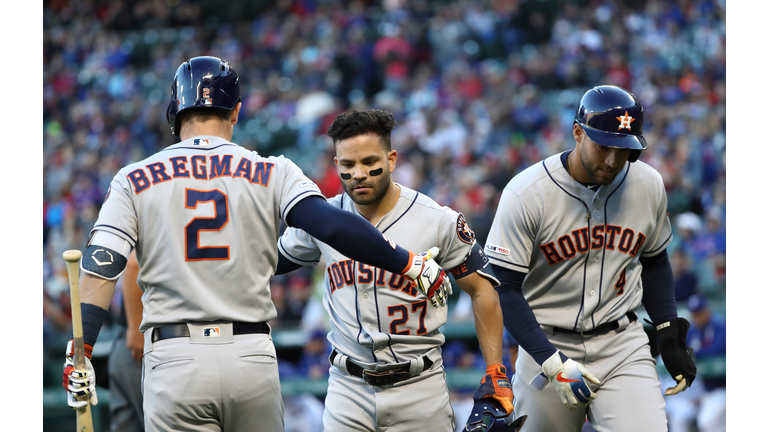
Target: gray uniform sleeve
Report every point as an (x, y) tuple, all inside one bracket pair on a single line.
[(455, 240), (299, 247), (118, 214), (295, 186), (512, 234)]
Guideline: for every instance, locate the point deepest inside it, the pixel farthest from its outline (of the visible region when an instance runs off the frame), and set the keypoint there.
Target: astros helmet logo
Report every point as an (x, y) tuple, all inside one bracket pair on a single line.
[(626, 121)]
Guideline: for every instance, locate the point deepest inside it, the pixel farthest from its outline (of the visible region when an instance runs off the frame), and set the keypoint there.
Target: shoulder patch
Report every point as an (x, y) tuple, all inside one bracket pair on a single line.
[(497, 249), (462, 229)]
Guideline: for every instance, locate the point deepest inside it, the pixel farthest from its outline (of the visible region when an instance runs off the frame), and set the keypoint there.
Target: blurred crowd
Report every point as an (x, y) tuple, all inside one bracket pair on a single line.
[(480, 89)]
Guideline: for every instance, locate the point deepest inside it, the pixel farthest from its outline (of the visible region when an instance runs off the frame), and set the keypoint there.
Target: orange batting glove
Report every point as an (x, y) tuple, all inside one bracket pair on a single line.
[(496, 385)]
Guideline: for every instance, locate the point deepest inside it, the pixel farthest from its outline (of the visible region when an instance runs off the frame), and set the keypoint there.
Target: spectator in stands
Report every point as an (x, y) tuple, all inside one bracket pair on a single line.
[(313, 362), (703, 407), (685, 280)]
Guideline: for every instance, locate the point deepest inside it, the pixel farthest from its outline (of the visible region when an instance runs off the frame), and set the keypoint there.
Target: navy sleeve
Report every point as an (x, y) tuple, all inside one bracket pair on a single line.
[(284, 265), (519, 319), (348, 233), (658, 288)]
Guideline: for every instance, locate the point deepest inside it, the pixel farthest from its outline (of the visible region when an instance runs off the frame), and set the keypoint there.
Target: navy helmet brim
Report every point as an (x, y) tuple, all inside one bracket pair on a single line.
[(613, 139)]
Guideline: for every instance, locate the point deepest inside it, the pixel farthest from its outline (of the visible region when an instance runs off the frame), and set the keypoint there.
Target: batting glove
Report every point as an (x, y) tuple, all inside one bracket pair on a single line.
[(80, 384), (430, 278), (677, 355), (495, 385), (568, 378)]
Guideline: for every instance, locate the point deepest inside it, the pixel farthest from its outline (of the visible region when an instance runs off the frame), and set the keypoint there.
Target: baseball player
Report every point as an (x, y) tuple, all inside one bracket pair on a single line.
[(203, 216), (386, 371), (579, 243)]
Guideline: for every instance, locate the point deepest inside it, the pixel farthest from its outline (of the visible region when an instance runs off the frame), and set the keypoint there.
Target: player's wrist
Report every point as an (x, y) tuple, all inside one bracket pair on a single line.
[(554, 364), (93, 318), (71, 349), (496, 369), (410, 269)]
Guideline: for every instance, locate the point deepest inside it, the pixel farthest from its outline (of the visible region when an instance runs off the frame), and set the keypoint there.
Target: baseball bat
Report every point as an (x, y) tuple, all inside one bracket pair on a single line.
[(72, 257)]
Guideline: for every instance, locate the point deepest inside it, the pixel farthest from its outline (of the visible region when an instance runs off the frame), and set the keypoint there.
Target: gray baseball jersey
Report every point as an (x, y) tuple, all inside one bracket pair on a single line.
[(378, 317), (580, 249), (581, 271), (204, 217)]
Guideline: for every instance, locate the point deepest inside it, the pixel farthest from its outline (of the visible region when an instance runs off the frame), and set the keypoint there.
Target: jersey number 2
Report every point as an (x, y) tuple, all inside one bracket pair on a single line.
[(195, 252)]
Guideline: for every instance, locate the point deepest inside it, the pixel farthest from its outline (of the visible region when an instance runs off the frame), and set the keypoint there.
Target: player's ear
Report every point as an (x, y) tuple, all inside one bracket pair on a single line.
[(235, 113), (578, 132), (392, 157)]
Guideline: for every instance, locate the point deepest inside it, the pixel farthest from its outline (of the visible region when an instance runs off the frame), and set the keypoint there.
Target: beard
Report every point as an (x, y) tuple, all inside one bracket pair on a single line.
[(378, 185), (596, 176)]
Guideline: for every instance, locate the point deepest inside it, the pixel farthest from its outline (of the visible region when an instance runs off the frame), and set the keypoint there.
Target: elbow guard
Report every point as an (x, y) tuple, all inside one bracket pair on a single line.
[(103, 262)]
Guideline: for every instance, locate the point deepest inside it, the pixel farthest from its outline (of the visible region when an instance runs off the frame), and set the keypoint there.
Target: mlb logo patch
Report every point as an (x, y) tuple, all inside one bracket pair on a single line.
[(201, 142), (497, 249), (212, 332)]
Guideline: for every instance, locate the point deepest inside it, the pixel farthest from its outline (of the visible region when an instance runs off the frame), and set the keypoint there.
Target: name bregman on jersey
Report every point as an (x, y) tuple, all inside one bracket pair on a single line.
[(200, 167), (579, 241)]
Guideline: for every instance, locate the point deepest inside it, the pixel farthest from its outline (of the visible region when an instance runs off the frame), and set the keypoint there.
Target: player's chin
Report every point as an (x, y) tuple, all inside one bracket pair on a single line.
[(362, 197), (604, 178)]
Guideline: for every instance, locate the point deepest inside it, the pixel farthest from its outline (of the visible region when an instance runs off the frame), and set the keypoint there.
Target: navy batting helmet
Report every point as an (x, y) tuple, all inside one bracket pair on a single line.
[(612, 117), (488, 416), (202, 82)]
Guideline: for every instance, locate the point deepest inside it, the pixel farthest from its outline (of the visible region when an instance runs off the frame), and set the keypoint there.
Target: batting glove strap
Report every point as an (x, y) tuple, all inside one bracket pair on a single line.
[(71, 349), (568, 377), (677, 355), (430, 278)]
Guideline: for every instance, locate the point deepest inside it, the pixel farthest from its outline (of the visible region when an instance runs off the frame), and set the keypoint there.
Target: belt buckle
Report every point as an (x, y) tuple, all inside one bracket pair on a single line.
[(387, 377)]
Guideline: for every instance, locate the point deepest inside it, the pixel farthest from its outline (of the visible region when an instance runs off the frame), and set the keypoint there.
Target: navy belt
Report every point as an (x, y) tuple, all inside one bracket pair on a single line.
[(599, 330), (181, 330), (380, 378)]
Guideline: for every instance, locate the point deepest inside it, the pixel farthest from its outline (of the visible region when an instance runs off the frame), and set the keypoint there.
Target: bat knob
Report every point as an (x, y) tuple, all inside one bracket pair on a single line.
[(72, 255)]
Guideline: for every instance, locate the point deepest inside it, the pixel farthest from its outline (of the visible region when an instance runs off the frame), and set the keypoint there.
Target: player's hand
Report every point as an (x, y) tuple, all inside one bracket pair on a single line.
[(430, 278), (80, 383), (495, 385), (677, 355), (568, 378), (134, 340)]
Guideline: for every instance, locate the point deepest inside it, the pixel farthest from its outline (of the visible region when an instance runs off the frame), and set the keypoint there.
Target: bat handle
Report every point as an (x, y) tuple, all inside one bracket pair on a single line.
[(72, 257)]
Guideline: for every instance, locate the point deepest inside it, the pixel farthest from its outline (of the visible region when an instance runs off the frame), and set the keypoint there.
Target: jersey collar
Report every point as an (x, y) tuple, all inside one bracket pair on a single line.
[(203, 142)]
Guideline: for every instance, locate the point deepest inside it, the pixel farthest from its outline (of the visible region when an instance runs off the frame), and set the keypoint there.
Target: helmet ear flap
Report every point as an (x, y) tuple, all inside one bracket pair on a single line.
[(634, 155)]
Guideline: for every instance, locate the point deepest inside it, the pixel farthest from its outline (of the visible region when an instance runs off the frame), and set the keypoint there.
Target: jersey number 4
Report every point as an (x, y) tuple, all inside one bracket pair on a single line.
[(195, 252), (621, 282), (403, 319)]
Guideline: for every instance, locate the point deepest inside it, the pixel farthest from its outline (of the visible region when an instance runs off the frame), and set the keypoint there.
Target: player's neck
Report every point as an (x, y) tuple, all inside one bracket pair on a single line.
[(209, 128), (374, 211)]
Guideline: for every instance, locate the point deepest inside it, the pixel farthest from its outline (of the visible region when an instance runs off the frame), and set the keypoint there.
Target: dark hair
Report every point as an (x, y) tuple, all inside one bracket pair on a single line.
[(352, 123), (203, 114)]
